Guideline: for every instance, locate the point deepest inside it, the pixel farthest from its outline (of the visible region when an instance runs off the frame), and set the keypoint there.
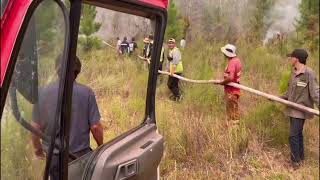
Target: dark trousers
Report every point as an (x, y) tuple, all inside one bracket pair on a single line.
[(160, 65), (173, 85), (160, 77), (296, 139), (54, 167)]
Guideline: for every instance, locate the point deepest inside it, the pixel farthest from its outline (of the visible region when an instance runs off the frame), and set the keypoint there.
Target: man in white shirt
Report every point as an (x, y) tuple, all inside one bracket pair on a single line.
[(118, 45), (183, 43)]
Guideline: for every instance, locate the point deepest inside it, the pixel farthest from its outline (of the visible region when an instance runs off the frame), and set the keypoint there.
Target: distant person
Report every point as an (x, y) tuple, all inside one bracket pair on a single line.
[(146, 52), (118, 45), (162, 57), (132, 46), (151, 38), (175, 67), (150, 46), (231, 74), (85, 118), (303, 88), (124, 46), (183, 43), (147, 49)]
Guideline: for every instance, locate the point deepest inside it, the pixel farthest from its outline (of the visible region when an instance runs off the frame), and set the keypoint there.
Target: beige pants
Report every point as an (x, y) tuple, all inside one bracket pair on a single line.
[(232, 106)]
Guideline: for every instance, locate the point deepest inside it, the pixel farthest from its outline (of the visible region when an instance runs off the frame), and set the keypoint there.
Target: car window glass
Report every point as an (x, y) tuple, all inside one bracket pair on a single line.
[(29, 102), (114, 49), (3, 6)]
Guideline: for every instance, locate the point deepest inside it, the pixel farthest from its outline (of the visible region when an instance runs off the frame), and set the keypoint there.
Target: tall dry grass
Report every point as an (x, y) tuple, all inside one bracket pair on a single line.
[(197, 143)]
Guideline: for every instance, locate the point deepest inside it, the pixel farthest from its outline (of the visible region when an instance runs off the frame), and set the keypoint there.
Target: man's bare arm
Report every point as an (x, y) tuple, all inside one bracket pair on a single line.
[(227, 79), (36, 141), (97, 132)]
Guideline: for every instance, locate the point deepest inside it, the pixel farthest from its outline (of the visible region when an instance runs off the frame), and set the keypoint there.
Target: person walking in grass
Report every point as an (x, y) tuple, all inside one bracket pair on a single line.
[(174, 67), (118, 45), (146, 49), (124, 46), (146, 53), (183, 43), (162, 57), (85, 118), (231, 74), (132, 46), (303, 88)]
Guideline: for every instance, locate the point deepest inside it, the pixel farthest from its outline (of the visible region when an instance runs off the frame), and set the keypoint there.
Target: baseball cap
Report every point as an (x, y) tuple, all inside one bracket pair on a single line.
[(171, 40), (300, 54)]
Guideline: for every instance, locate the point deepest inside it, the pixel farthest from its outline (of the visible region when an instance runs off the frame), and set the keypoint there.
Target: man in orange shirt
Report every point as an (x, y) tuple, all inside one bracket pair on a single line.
[(231, 74)]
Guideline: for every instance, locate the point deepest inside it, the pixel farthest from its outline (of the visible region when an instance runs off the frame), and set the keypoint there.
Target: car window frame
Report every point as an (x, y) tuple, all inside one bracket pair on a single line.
[(158, 15), (65, 65), (154, 13)]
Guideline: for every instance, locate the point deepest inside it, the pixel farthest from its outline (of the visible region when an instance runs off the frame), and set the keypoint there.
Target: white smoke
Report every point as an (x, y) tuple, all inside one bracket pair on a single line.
[(116, 24), (281, 18)]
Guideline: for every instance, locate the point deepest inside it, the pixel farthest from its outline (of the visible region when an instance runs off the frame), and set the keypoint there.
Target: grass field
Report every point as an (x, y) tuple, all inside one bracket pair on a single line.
[(197, 144)]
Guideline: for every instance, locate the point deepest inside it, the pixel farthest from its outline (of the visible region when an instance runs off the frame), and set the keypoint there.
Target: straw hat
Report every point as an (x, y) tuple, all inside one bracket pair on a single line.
[(229, 50), (146, 40)]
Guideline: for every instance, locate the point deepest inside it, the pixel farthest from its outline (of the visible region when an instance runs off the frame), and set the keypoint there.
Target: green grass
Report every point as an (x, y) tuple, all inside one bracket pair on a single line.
[(197, 144)]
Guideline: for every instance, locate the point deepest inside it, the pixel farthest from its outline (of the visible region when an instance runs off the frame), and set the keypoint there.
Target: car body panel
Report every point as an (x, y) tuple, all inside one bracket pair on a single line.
[(11, 23)]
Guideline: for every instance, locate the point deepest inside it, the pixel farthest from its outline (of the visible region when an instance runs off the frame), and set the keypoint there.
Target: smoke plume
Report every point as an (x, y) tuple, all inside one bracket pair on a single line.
[(281, 18)]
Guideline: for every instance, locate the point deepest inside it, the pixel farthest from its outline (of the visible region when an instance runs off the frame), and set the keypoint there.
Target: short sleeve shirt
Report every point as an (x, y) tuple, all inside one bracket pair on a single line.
[(84, 114), (176, 56), (118, 44), (234, 66)]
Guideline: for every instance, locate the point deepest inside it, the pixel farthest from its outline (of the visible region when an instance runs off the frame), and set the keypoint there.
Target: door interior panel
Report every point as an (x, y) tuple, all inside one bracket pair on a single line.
[(77, 167), (137, 156)]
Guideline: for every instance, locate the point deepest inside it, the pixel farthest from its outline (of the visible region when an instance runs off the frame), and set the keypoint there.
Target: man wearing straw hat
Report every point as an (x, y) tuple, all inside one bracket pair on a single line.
[(231, 74), (146, 51)]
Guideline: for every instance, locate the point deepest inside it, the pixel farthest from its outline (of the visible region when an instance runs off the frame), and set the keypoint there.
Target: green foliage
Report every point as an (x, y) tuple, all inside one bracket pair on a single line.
[(88, 27), (258, 26), (49, 25), (17, 153), (278, 176), (89, 42), (283, 84), (308, 25), (176, 25), (194, 131), (269, 123), (46, 17)]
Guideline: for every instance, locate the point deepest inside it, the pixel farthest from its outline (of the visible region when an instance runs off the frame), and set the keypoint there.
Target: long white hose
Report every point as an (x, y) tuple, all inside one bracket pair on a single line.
[(259, 93)]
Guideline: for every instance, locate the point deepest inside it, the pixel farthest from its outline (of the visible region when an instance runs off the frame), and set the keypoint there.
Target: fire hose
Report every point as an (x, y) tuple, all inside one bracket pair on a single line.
[(242, 87)]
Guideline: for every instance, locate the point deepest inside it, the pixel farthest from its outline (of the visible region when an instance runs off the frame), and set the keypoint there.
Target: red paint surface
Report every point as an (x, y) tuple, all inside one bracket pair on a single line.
[(158, 3), (11, 22)]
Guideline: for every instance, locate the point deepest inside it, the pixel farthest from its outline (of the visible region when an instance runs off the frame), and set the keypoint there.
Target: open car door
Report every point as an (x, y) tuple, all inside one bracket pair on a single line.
[(38, 45), (34, 42), (136, 154)]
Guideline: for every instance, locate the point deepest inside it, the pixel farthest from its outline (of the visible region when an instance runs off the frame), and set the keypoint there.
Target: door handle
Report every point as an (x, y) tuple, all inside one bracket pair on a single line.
[(127, 169)]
